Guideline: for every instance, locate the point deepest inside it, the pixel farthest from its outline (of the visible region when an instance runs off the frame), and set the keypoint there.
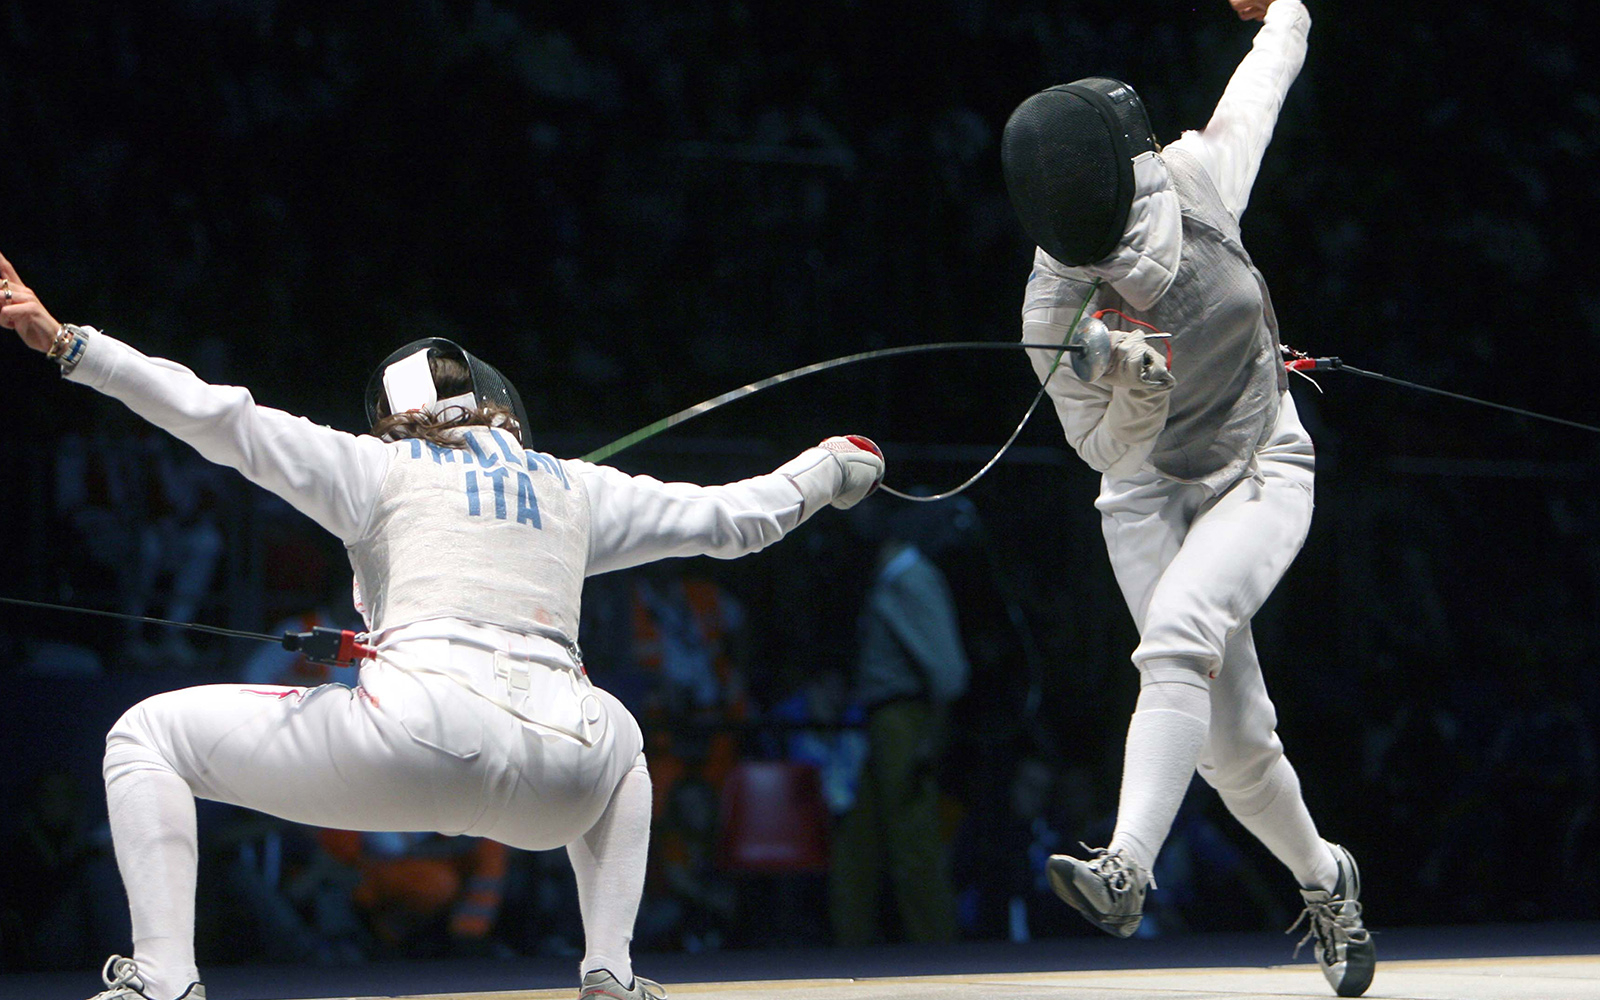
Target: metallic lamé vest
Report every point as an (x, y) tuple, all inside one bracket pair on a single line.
[(1224, 341), (490, 533)]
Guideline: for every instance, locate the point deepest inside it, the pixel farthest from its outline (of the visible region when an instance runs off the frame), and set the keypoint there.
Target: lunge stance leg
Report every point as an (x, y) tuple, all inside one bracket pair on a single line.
[(153, 833), (319, 756), (609, 862), (1244, 762)]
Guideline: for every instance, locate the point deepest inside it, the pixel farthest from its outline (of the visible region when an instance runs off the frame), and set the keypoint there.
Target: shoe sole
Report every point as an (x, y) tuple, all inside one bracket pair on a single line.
[(1061, 881), (1357, 974)]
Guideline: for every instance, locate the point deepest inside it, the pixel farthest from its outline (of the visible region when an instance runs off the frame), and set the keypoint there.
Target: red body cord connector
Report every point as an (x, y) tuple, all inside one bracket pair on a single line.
[(1161, 333), (328, 645), (1312, 364)]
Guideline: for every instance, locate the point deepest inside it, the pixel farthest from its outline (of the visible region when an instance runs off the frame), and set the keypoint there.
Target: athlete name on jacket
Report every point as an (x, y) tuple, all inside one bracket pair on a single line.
[(495, 479)]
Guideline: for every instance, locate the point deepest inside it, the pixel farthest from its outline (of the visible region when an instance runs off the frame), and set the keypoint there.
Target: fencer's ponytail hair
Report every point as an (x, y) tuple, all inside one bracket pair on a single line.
[(452, 378)]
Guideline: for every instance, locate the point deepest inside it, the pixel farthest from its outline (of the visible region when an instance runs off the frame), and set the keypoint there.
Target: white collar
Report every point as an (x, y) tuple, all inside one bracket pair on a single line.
[(1142, 267)]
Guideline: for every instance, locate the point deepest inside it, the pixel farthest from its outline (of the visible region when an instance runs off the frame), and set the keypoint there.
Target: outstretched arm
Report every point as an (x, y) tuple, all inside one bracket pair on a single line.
[(637, 519), (1235, 139), (328, 475)]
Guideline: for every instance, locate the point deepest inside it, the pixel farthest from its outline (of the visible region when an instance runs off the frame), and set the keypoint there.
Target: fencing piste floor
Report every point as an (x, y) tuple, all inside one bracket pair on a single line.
[(1479, 962)]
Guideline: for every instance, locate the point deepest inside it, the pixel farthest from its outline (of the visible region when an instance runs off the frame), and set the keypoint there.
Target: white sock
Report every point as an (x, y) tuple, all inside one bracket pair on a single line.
[(1276, 813), (1165, 737), (609, 862), (153, 833)]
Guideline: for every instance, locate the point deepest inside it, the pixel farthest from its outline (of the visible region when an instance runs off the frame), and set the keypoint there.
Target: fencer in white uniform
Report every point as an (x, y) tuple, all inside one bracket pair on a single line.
[(476, 716), (1206, 490)]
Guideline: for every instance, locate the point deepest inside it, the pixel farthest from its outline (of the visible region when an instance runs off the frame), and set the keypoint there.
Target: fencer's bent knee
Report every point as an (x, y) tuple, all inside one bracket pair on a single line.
[(131, 745), (1238, 766), (1194, 671)]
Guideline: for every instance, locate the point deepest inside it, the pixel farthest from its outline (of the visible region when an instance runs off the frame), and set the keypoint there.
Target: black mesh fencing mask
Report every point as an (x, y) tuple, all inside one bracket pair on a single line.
[(404, 381), (1067, 154)]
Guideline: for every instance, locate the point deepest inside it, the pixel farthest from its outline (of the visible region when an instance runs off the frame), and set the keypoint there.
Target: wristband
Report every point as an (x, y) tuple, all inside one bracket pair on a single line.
[(68, 347)]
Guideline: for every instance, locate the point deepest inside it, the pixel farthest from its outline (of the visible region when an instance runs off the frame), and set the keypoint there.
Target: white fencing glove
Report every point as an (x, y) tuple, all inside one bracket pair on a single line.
[(862, 463), (841, 471), (1135, 364)]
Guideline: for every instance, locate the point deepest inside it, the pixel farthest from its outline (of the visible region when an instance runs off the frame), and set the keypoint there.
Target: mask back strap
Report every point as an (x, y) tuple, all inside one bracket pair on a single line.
[(408, 383)]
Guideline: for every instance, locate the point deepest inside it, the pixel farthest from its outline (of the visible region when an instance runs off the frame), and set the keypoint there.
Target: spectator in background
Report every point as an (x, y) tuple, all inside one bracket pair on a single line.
[(1531, 791), (1207, 881), (689, 631), (688, 635), (54, 911), (425, 893), (686, 663), (837, 747), (690, 904), (1040, 804), (911, 665), (143, 509), (274, 895), (180, 544)]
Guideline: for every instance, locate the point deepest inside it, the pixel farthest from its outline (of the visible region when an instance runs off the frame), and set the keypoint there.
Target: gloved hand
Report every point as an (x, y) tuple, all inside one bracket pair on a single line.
[(1135, 364), (862, 464)]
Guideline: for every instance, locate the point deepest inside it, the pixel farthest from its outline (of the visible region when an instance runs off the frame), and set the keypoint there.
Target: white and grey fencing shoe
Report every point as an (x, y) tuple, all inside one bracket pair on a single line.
[(602, 985), (1108, 889), (121, 976), (1344, 946)]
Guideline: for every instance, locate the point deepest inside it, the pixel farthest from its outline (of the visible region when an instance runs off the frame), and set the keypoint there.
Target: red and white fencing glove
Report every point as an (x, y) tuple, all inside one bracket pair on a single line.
[(862, 463), (841, 471)]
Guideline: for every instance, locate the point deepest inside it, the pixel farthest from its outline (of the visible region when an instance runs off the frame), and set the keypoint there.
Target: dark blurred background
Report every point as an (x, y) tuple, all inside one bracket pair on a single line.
[(632, 207)]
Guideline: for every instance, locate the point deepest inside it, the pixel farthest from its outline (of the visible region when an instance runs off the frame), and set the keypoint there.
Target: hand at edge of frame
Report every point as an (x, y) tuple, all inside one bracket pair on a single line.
[(23, 312), (1250, 10)]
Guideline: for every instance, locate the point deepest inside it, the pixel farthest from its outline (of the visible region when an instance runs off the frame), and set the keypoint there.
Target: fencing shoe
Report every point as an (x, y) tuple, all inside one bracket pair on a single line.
[(1343, 944), (1108, 889), (601, 985), (122, 980)]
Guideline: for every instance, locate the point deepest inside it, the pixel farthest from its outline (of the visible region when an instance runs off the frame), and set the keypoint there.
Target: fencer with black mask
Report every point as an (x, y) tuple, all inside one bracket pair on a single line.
[(1206, 488)]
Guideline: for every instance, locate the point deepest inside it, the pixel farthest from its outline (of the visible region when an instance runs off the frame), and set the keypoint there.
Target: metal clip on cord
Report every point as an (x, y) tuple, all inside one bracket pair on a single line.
[(335, 647)]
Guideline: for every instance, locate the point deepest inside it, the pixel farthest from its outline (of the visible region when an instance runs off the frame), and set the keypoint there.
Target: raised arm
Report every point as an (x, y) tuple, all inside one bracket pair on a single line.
[(1235, 139), (637, 519), (328, 475)]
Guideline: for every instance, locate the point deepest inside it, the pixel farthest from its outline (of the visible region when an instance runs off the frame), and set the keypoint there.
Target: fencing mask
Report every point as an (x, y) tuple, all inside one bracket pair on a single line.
[(1067, 154), (406, 381)]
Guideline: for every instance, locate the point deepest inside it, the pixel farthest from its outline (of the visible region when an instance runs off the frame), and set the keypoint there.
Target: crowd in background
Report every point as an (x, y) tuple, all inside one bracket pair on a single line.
[(629, 209)]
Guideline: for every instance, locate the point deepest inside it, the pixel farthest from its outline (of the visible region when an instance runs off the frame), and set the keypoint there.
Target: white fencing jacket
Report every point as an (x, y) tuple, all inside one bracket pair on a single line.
[(489, 534)]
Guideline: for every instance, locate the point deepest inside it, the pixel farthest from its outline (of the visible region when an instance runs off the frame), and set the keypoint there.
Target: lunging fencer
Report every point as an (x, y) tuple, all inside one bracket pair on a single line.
[(1206, 489), (475, 715)]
